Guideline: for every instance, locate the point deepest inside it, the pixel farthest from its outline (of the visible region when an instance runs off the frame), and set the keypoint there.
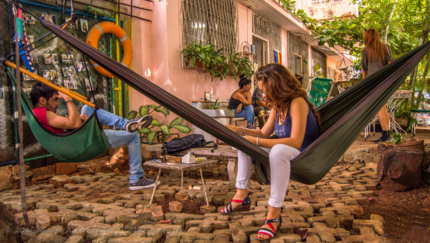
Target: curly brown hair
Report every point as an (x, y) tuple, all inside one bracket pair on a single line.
[(281, 88)]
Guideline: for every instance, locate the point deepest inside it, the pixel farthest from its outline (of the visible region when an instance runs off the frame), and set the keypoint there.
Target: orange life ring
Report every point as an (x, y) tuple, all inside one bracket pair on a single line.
[(111, 28)]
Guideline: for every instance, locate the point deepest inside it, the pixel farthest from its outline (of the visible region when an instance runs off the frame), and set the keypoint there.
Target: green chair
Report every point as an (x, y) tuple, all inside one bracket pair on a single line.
[(319, 89)]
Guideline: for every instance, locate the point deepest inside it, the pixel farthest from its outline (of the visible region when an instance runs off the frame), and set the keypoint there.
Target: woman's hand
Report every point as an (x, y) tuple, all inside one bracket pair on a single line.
[(251, 139), (237, 130), (239, 108)]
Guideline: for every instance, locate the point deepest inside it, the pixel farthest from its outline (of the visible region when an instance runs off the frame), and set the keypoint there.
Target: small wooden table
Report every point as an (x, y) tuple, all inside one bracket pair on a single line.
[(181, 167), (221, 151)]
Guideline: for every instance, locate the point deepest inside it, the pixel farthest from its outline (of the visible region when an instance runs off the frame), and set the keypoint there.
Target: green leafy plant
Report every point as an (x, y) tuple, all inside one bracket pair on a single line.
[(397, 137), (164, 131), (203, 54), (240, 65), (290, 6), (317, 71), (218, 65), (214, 105)]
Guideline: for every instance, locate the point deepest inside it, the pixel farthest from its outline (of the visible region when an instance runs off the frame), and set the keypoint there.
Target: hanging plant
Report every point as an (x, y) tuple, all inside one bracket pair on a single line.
[(240, 65), (196, 55)]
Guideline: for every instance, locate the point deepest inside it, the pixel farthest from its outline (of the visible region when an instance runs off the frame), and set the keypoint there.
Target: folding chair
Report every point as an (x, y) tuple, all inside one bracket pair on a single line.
[(319, 89)]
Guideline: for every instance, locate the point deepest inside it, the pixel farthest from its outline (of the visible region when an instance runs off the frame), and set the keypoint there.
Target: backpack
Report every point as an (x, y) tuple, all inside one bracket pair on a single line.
[(187, 142)]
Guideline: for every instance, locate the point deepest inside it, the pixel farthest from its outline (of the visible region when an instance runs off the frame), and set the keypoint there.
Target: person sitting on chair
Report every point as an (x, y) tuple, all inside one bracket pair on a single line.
[(295, 122), (260, 104), (45, 103), (240, 102)]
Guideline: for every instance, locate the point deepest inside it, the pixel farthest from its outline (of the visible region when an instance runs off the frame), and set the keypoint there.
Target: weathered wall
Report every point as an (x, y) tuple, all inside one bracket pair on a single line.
[(330, 10)]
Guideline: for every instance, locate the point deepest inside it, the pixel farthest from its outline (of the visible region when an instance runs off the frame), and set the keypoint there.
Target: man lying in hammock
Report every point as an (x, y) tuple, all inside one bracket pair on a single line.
[(45, 102)]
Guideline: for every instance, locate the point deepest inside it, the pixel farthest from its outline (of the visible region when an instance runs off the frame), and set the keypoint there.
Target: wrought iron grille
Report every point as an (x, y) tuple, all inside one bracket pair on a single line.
[(269, 30), (213, 22)]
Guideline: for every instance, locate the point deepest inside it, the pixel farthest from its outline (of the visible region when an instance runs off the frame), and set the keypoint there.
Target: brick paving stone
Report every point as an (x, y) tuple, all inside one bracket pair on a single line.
[(158, 231), (112, 215), (312, 239), (376, 225), (323, 232), (80, 227), (181, 218), (102, 235), (43, 172), (136, 237), (222, 239), (65, 168), (157, 213), (75, 239)]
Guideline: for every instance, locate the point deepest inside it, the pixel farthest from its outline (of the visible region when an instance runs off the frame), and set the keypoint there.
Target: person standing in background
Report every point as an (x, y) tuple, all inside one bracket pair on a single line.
[(374, 56)]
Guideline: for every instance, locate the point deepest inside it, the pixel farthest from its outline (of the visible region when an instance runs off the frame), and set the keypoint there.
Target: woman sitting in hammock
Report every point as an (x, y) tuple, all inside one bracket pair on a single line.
[(296, 124)]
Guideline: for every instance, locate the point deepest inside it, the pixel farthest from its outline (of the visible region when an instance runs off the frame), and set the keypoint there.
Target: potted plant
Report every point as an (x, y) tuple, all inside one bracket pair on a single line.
[(218, 65), (198, 56), (164, 131), (412, 142), (240, 65)]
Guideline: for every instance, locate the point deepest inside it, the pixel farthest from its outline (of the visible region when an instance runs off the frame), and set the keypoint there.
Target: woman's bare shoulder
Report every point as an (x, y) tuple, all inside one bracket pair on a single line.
[(299, 103)]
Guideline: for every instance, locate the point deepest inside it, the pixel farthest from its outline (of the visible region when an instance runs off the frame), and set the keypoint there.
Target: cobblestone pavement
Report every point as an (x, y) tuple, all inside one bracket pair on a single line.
[(100, 208)]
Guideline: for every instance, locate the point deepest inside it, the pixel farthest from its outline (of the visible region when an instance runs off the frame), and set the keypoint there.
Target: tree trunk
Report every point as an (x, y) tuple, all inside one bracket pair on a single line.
[(389, 19), (413, 76), (399, 169), (427, 83)]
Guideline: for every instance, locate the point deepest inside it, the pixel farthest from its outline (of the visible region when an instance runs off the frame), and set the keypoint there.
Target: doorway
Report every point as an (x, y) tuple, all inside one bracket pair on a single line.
[(261, 53)]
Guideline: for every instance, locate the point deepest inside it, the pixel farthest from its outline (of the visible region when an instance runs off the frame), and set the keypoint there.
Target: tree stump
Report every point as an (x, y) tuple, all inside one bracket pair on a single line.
[(399, 169)]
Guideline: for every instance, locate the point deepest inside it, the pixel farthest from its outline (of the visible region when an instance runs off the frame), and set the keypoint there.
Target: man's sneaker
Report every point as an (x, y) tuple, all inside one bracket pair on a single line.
[(250, 126), (136, 124), (142, 184)]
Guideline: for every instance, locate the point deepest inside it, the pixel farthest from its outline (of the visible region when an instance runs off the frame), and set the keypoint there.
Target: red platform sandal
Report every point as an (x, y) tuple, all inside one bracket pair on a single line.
[(272, 231), (246, 205)]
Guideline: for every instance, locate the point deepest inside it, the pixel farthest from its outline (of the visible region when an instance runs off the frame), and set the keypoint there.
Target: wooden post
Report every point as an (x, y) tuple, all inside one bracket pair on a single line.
[(204, 187), (20, 127), (155, 186)]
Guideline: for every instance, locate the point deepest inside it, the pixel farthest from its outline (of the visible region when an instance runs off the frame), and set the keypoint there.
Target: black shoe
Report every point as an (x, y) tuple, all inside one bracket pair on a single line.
[(250, 127), (386, 137), (142, 184), (136, 124)]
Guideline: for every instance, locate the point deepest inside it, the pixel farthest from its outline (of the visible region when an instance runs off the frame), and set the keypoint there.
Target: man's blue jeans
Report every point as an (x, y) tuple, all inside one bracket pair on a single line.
[(120, 138), (248, 112)]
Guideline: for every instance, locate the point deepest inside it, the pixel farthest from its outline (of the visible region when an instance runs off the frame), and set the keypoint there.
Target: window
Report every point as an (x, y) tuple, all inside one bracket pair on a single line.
[(211, 21)]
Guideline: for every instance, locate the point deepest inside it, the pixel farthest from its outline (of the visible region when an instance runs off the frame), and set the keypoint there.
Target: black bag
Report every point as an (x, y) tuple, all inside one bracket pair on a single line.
[(187, 142)]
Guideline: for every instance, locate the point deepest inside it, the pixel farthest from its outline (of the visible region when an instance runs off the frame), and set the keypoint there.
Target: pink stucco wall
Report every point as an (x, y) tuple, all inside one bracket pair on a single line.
[(284, 51), (157, 56)]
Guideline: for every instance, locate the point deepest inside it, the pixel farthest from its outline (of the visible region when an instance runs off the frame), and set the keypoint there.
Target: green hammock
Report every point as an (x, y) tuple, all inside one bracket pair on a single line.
[(79, 145)]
